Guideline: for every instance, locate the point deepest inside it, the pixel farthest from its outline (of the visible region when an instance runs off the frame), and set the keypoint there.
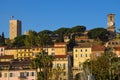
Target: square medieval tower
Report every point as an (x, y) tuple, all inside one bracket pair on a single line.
[(15, 29)]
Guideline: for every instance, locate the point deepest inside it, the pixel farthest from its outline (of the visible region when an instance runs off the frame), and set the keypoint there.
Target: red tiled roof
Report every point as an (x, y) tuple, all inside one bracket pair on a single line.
[(83, 45), (4, 63), (60, 56), (60, 43), (7, 57), (98, 48), (117, 48)]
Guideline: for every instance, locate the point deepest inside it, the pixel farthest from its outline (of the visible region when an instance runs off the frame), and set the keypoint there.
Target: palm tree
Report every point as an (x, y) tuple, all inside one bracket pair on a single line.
[(57, 72), (43, 62)]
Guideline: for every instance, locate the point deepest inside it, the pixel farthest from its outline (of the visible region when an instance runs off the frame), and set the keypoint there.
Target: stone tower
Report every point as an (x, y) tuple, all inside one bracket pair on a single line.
[(15, 28), (111, 23), (111, 26)]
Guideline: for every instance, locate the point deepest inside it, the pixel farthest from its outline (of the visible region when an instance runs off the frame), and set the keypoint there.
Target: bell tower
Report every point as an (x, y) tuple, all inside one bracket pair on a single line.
[(111, 22), (111, 26)]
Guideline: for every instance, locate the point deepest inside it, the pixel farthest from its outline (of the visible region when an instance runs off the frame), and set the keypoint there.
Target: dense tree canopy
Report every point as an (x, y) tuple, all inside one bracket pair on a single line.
[(46, 32), (19, 41), (30, 39), (78, 29), (98, 33), (101, 68), (43, 62)]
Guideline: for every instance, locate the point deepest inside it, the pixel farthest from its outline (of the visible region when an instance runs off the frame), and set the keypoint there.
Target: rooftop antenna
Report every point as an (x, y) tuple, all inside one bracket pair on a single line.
[(11, 17)]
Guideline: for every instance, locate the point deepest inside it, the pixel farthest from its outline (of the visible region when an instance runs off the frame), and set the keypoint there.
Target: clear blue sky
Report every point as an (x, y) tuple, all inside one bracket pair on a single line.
[(52, 14)]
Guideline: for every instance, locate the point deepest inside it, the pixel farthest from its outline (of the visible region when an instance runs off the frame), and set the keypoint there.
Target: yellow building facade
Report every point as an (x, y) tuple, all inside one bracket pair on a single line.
[(80, 55), (60, 66), (23, 53)]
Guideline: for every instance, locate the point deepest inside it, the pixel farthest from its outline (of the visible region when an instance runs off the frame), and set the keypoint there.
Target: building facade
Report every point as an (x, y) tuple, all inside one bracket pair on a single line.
[(81, 53)]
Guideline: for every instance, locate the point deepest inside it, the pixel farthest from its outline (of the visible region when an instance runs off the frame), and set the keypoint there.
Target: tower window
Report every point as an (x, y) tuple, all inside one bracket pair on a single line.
[(110, 18)]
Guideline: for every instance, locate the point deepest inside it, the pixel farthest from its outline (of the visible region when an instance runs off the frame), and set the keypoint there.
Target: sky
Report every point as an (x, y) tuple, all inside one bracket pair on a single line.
[(41, 15)]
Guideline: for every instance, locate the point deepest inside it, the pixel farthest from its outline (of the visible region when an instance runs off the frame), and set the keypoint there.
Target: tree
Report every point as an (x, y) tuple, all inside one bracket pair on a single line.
[(98, 33), (46, 32), (78, 29), (8, 42), (71, 44), (101, 68), (57, 72), (19, 41), (43, 62), (30, 39), (61, 32), (43, 39)]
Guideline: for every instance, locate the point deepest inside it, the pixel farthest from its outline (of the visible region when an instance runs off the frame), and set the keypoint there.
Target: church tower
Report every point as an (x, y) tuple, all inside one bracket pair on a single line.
[(111, 26), (111, 22)]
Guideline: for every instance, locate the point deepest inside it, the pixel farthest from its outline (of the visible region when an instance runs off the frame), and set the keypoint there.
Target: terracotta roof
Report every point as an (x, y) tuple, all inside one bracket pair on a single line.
[(19, 63), (60, 56), (98, 48), (117, 48), (83, 45), (7, 57), (60, 43), (4, 63)]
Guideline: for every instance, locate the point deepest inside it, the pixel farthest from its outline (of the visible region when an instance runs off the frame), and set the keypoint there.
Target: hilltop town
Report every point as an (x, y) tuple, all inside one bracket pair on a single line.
[(64, 54)]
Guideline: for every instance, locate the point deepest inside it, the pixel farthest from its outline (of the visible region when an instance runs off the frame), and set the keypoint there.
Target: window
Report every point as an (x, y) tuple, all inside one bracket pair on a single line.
[(110, 18), (52, 54), (81, 55), (76, 50), (76, 55), (60, 78), (64, 66), (32, 74), (1, 49), (5, 75), (64, 74), (57, 65), (86, 50), (24, 54), (11, 74), (27, 73), (21, 74), (0, 74), (52, 49), (85, 55), (81, 50)]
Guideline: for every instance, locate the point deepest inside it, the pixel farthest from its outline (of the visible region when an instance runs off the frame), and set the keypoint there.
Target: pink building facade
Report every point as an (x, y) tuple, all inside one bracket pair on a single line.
[(18, 75)]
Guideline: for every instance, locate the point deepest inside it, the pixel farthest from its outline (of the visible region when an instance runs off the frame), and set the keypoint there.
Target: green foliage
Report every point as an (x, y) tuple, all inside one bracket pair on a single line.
[(98, 33), (30, 39), (46, 32), (43, 39), (19, 41), (101, 68), (78, 29), (61, 30), (8, 42), (43, 62), (57, 72), (71, 44)]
